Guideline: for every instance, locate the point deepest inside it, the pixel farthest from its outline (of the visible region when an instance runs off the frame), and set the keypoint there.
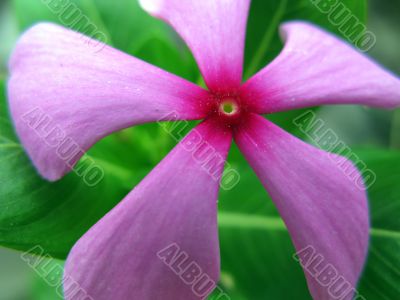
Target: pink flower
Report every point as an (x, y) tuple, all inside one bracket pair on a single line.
[(90, 95)]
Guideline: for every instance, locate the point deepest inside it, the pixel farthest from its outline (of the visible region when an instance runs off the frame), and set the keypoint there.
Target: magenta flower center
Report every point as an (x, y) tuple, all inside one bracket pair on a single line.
[(227, 109)]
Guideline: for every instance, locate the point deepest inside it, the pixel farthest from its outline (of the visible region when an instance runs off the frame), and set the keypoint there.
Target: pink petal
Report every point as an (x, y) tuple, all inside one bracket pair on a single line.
[(62, 87), (316, 68), (214, 31), (174, 208), (325, 211)]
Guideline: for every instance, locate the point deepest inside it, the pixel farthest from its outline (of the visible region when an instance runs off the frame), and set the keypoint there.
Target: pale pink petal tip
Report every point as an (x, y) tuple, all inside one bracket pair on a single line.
[(161, 241), (317, 68)]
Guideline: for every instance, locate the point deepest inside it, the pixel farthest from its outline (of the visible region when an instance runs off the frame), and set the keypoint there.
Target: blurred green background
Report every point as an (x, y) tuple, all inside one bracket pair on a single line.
[(255, 247)]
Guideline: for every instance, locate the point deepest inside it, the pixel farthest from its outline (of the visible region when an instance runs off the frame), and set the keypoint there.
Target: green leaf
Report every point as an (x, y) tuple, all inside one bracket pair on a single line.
[(395, 137), (382, 273), (8, 35), (256, 248), (47, 281)]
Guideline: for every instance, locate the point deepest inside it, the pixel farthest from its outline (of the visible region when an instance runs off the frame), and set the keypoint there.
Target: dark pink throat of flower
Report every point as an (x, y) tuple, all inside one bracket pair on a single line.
[(228, 110)]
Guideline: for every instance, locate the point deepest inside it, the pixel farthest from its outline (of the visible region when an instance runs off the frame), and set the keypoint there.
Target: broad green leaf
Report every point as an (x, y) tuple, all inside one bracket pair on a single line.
[(382, 273), (8, 34), (395, 136), (256, 248)]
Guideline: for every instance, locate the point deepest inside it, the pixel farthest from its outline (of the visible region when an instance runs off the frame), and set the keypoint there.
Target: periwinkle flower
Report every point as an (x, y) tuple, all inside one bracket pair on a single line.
[(91, 95)]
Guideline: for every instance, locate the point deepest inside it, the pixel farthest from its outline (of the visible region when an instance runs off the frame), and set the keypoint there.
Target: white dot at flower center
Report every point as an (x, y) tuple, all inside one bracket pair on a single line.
[(228, 107), (151, 6)]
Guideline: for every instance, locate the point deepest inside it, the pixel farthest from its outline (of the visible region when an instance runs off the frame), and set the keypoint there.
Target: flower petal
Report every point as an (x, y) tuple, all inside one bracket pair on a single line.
[(63, 86), (325, 211), (316, 68), (215, 32), (173, 209)]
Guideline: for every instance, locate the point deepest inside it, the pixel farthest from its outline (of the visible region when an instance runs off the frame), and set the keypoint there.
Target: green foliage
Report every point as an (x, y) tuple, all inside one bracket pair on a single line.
[(256, 248)]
